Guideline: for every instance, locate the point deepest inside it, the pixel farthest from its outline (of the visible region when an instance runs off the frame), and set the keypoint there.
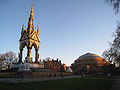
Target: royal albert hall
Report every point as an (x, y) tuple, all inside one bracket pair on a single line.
[(89, 63)]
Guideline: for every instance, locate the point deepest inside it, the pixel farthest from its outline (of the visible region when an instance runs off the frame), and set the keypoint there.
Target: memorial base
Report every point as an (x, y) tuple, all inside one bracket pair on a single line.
[(24, 74)]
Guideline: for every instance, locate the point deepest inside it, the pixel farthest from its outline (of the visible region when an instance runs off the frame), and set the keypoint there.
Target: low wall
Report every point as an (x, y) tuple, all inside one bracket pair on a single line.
[(7, 75), (50, 74), (35, 74)]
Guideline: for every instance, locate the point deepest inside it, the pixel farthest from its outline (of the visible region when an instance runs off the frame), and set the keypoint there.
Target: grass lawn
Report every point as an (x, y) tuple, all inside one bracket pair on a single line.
[(64, 84)]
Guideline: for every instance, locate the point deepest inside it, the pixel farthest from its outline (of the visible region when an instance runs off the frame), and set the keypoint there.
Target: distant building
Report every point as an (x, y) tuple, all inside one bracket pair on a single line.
[(89, 63), (55, 65)]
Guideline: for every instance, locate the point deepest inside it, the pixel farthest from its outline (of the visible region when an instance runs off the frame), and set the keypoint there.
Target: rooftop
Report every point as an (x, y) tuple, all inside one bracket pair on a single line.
[(89, 55)]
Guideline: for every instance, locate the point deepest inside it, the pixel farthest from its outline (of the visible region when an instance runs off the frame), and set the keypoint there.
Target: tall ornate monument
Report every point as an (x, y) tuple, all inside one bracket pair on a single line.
[(29, 38)]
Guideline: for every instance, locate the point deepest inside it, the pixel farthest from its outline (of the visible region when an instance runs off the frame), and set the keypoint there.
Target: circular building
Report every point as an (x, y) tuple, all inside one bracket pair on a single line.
[(89, 63)]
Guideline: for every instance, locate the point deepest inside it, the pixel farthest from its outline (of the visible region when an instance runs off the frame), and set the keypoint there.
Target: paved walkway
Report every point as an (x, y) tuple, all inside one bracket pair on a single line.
[(115, 83), (17, 80)]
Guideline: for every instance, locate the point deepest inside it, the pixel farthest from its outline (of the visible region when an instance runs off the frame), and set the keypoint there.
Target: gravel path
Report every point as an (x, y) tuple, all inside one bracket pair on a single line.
[(17, 80)]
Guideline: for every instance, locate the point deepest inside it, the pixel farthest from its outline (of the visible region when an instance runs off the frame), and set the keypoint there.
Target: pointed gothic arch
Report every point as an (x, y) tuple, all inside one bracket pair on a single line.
[(24, 53), (34, 45), (23, 45)]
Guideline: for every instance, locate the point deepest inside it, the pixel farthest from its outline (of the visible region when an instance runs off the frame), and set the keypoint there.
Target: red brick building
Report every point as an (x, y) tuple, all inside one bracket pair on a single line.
[(55, 65)]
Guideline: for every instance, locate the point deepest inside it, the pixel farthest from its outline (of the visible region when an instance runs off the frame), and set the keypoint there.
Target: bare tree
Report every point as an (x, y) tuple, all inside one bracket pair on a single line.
[(116, 43), (110, 55), (7, 59), (113, 54), (107, 55), (2, 60), (115, 4), (11, 56)]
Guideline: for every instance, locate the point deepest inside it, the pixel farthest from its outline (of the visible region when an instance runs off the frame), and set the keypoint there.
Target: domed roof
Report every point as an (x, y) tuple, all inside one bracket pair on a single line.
[(89, 55)]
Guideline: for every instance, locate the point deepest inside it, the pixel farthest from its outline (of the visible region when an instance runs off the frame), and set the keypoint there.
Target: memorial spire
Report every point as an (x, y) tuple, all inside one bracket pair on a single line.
[(31, 21)]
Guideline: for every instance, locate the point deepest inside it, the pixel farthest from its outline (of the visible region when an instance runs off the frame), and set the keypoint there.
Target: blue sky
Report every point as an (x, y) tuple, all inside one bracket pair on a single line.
[(68, 28)]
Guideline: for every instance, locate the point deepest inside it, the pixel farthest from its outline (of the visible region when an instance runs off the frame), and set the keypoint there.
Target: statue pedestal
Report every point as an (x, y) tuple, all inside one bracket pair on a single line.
[(24, 71), (24, 74)]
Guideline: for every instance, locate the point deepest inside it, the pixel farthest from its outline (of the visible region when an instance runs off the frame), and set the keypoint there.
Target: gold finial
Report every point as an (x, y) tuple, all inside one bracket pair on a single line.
[(32, 5), (31, 10)]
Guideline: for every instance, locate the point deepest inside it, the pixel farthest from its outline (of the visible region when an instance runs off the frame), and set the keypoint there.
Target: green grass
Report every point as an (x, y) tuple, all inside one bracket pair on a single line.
[(65, 84)]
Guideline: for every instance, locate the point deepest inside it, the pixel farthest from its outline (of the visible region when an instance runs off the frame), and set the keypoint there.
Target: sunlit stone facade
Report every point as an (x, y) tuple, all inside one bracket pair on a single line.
[(89, 63)]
